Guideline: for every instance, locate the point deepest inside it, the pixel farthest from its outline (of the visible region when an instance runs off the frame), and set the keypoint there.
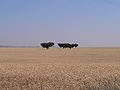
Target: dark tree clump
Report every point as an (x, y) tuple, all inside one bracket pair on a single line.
[(47, 45), (67, 45)]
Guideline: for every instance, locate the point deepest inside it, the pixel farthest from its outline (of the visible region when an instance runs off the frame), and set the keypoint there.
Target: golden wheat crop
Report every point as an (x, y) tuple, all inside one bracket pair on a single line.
[(60, 69), (59, 77)]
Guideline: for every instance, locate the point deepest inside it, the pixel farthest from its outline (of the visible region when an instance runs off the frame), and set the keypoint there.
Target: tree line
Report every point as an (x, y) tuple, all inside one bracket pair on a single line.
[(61, 45)]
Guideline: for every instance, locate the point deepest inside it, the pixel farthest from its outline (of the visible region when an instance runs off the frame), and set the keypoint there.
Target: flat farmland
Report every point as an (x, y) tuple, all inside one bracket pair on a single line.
[(60, 69), (56, 55)]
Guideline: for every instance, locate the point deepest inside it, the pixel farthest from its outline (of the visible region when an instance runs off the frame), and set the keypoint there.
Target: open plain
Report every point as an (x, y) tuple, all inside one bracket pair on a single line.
[(60, 69)]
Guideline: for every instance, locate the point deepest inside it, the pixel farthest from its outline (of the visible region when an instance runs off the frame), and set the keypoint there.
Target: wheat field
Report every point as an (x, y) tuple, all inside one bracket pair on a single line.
[(60, 69)]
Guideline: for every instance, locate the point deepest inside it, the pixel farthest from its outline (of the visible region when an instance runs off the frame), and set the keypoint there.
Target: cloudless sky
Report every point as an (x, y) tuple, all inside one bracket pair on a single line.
[(87, 22)]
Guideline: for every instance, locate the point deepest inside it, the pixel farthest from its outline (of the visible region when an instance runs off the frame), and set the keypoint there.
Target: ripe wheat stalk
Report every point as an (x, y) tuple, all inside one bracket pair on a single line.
[(59, 77)]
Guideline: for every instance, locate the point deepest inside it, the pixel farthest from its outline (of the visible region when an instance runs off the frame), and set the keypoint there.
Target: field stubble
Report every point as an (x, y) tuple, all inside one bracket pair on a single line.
[(60, 69)]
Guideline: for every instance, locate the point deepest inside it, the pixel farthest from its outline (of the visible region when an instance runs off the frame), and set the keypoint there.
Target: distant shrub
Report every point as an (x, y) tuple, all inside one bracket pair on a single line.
[(47, 45), (67, 45)]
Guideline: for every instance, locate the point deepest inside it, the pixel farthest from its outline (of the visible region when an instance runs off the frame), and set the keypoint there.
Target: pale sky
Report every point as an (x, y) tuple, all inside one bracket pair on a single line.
[(87, 22)]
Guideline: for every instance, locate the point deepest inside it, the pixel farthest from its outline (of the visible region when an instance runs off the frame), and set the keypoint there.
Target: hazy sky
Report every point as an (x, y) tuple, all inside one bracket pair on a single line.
[(88, 22)]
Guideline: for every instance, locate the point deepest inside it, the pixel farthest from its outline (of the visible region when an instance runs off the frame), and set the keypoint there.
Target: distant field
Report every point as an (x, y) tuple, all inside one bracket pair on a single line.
[(57, 55), (60, 69)]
